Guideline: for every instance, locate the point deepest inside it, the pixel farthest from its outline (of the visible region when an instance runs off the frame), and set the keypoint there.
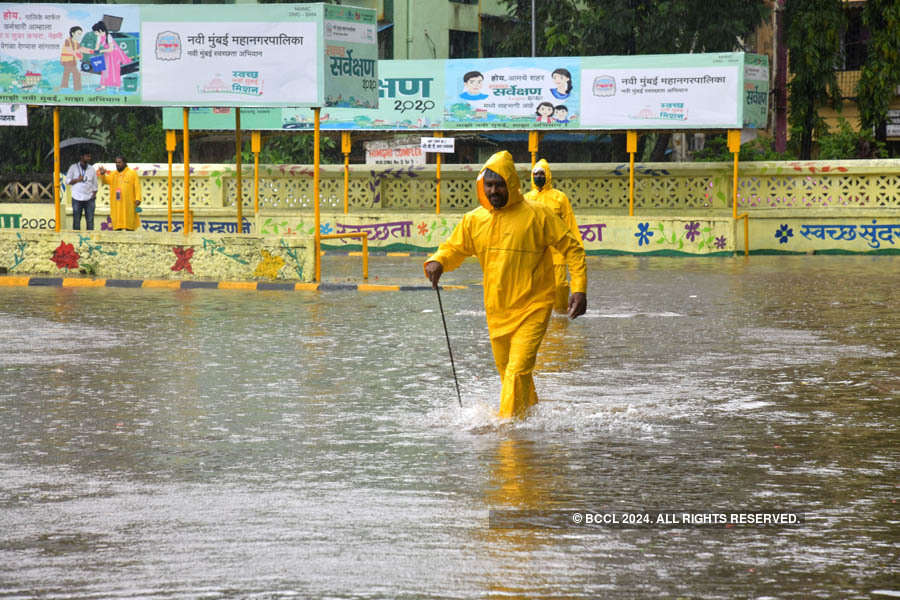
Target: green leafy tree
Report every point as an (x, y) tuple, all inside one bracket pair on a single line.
[(134, 131), (814, 29), (880, 74), (848, 143), (626, 27)]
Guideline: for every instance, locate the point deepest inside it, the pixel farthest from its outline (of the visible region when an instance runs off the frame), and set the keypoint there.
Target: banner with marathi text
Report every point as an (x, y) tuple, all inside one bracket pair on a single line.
[(188, 55), (691, 91)]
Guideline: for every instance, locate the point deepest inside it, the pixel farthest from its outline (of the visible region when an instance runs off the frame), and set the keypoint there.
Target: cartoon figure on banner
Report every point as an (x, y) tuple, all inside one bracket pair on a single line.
[(562, 79), (113, 58), (561, 114), (544, 112), (472, 83), (70, 58)]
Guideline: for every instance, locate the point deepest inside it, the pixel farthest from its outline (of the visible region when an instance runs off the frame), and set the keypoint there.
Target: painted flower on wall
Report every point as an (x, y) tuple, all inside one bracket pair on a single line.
[(643, 234), (65, 256), (784, 232), (183, 260), (423, 228), (720, 242), (693, 230), (325, 229), (269, 265)]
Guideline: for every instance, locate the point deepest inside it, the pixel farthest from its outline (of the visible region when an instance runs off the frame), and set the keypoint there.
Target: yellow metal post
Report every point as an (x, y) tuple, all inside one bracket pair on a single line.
[(734, 146), (365, 247), (534, 139), (170, 148), (185, 140), (318, 233), (256, 147), (437, 175), (631, 148), (345, 148), (58, 212), (239, 166)]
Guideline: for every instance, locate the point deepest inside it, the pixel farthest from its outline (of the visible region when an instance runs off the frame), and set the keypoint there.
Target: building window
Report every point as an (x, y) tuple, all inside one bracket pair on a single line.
[(463, 44), (386, 42)]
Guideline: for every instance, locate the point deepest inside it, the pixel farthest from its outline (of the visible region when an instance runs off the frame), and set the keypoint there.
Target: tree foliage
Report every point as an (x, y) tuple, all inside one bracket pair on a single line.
[(626, 27), (814, 29), (880, 74), (133, 131), (616, 27)]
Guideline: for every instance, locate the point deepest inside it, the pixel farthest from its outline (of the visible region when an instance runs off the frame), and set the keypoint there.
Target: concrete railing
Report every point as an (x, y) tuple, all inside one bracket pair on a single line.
[(858, 184)]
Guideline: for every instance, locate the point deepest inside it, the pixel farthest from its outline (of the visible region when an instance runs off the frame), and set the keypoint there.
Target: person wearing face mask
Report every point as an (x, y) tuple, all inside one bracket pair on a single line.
[(512, 238), (124, 195), (542, 191)]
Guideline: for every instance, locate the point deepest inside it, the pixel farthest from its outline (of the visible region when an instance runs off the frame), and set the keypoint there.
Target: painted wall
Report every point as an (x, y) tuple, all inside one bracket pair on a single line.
[(148, 255), (797, 231)]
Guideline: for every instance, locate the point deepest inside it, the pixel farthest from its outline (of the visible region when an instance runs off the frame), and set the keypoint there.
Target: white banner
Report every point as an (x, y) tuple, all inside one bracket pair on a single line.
[(388, 153), (644, 98), (439, 144), (246, 63), (13, 114)]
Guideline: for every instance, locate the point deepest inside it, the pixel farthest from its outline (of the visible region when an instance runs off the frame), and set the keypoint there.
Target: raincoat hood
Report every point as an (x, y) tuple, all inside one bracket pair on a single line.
[(542, 165), (502, 164)]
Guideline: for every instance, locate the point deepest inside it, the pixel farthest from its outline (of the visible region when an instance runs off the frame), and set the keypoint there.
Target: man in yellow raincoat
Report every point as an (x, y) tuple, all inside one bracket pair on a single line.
[(512, 238), (542, 191), (124, 195)]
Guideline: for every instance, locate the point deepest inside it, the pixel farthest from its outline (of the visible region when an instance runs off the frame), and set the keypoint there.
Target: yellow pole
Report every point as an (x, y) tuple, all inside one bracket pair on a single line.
[(345, 148), (318, 239), (631, 147), (239, 166), (255, 147), (56, 167), (170, 148), (734, 146), (365, 246), (533, 141), (186, 136), (437, 172)]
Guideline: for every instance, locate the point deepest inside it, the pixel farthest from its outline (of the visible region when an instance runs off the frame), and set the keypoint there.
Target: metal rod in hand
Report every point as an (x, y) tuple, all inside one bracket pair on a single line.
[(449, 349)]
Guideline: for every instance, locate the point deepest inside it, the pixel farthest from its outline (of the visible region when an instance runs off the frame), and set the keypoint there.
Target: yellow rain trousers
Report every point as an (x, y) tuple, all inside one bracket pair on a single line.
[(513, 246), (124, 193), (559, 203)]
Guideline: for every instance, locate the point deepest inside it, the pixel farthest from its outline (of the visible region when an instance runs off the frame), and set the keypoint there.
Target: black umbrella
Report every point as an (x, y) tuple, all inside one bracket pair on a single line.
[(78, 141)]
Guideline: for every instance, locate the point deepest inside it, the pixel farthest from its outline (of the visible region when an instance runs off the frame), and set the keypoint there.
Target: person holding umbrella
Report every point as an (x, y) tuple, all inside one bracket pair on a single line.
[(83, 179)]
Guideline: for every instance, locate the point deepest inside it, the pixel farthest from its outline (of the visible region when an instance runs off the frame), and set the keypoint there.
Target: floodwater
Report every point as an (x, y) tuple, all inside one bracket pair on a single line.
[(221, 444)]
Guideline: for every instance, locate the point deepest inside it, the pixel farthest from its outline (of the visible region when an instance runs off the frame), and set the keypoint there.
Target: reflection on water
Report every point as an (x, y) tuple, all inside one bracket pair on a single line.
[(211, 444)]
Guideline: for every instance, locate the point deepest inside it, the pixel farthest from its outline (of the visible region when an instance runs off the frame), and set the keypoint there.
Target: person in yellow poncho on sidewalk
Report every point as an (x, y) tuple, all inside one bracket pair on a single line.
[(512, 238), (124, 195), (542, 191)]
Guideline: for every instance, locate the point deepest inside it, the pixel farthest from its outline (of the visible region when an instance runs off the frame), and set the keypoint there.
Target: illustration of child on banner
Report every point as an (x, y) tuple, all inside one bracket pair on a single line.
[(511, 92)]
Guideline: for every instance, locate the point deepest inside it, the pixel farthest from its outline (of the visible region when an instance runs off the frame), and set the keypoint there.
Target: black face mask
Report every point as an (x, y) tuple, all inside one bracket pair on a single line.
[(120, 169), (540, 180)]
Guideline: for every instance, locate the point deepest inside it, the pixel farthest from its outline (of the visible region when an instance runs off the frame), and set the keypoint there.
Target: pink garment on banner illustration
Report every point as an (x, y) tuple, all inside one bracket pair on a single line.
[(115, 58)]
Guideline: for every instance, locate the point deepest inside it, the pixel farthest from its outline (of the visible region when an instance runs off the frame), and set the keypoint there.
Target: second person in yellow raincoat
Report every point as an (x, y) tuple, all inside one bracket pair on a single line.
[(124, 195), (542, 191), (512, 238)]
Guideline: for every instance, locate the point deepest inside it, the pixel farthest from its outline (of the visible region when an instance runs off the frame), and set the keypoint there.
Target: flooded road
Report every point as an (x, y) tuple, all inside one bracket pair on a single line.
[(220, 444)]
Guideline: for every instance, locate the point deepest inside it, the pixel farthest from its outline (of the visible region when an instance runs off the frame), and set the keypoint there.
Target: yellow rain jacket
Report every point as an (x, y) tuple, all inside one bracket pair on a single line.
[(559, 203), (124, 194), (513, 245)]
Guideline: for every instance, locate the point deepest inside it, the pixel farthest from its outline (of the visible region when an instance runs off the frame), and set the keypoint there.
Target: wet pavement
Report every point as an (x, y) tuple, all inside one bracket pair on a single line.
[(229, 444)]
